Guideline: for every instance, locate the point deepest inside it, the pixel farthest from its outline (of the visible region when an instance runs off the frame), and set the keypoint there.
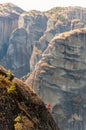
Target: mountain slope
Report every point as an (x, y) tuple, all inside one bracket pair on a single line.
[(20, 107)]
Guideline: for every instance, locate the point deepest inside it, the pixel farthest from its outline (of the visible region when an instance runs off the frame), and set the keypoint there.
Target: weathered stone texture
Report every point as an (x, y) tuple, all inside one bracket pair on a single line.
[(60, 79)]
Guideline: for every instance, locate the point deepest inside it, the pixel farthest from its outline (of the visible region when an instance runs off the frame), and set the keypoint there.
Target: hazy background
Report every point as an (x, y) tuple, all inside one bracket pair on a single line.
[(43, 5)]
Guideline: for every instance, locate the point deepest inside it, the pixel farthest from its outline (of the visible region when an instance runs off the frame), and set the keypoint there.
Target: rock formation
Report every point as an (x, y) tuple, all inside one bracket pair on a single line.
[(60, 75), (38, 28), (18, 52), (9, 14), (59, 20), (60, 79), (20, 107), (31, 26)]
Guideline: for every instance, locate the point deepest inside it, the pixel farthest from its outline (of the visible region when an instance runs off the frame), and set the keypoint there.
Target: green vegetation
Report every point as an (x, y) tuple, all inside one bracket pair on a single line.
[(9, 74), (11, 89), (84, 25), (55, 10), (18, 124), (60, 17), (6, 83), (9, 7), (17, 119), (1, 10)]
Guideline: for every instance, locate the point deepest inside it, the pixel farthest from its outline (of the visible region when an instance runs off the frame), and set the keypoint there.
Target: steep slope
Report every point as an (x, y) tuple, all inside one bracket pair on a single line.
[(59, 20), (60, 79), (9, 14), (34, 22), (18, 52), (31, 26), (20, 107), (38, 28)]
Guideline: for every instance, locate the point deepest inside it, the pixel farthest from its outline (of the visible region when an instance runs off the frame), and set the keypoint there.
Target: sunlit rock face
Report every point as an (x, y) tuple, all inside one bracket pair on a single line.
[(59, 20), (40, 28), (60, 79), (35, 23)]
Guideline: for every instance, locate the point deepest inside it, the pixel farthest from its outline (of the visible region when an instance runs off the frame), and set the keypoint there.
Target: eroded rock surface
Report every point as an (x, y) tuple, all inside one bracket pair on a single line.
[(18, 52), (60, 79), (59, 20), (40, 28), (9, 15)]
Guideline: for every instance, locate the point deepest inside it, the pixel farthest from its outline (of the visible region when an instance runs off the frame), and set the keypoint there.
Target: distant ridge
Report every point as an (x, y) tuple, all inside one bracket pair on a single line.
[(7, 7)]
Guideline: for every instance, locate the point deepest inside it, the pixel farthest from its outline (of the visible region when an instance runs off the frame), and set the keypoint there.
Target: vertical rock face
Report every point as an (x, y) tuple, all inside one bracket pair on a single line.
[(34, 22), (40, 29), (9, 14), (60, 79), (18, 52), (59, 20), (30, 27)]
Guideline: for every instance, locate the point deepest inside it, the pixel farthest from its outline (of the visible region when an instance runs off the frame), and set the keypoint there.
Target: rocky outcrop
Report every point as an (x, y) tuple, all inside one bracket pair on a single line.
[(18, 52), (76, 23), (60, 79), (9, 14), (59, 20), (34, 22), (40, 28), (20, 107), (70, 13), (31, 26)]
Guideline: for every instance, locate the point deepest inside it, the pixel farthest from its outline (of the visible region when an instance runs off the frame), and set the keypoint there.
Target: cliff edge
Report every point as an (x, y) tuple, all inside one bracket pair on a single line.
[(20, 107)]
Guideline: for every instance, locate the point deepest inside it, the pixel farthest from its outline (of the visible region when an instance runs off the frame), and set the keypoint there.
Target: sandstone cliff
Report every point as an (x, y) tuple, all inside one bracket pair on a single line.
[(20, 107), (60, 79)]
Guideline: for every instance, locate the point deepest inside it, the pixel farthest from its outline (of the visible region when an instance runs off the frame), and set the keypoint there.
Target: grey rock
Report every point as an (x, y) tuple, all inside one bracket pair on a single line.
[(18, 52), (60, 79), (9, 15), (59, 20), (40, 27)]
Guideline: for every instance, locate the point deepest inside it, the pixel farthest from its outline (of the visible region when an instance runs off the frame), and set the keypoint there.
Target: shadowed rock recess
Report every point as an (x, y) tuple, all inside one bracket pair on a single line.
[(60, 79), (20, 107)]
